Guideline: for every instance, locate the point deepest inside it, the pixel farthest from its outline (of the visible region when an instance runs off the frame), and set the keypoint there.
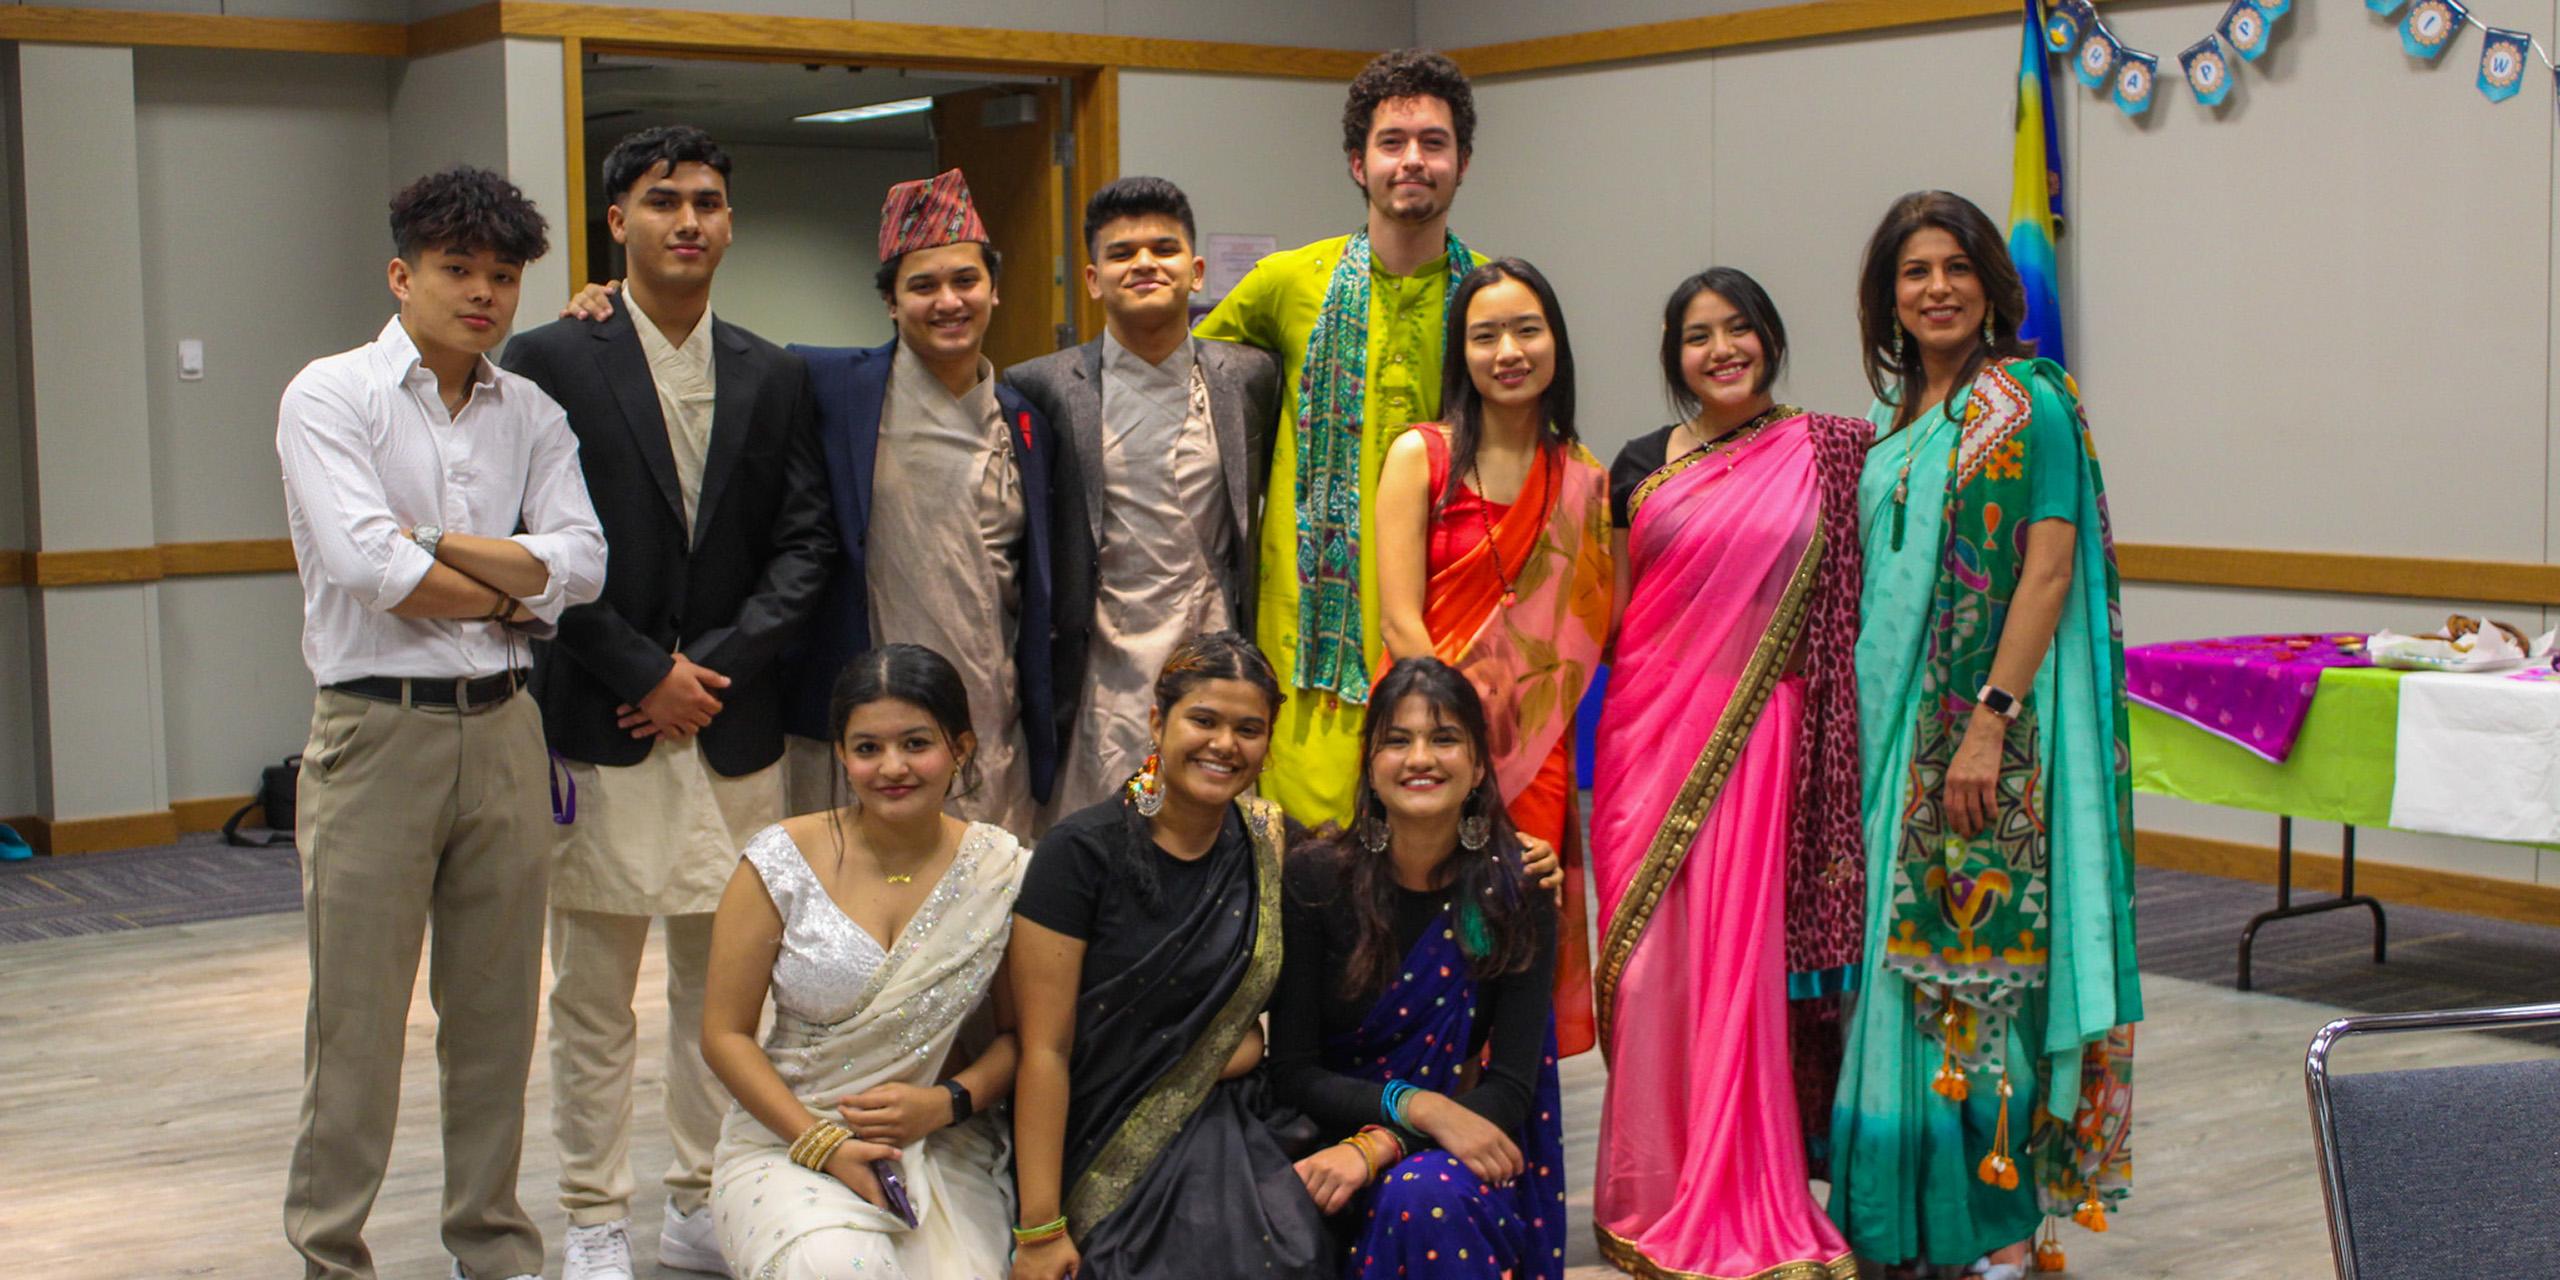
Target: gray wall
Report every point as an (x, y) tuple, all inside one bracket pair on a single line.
[(808, 236), (2320, 322), (263, 181), (1275, 167), (18, 732)]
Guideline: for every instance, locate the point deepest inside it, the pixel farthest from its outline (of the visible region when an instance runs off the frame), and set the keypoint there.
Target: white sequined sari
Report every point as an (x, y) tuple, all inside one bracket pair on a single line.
[(847, 1017)]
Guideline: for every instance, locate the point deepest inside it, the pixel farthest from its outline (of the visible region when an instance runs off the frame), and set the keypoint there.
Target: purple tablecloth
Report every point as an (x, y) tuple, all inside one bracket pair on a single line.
[(2253, 690)]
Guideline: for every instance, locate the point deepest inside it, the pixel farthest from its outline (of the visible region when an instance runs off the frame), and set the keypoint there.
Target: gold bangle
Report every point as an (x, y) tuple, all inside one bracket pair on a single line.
[(826, 1149), (819, 1141), (1389, 1143), (1042, 1234)]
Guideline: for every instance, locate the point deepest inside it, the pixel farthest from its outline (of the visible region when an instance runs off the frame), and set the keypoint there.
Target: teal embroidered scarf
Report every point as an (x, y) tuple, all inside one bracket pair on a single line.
[(1332, 392)]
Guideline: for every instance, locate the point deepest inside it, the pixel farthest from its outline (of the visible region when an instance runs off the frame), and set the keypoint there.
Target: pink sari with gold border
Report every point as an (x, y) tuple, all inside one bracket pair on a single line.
[(1720, 896)]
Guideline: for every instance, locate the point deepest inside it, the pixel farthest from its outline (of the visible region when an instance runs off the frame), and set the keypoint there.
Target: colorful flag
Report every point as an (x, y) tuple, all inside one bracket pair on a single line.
[(2502, 62), (2134, 82), (2429, 27), (2245, 25), (2208, 71), (2035, 194)]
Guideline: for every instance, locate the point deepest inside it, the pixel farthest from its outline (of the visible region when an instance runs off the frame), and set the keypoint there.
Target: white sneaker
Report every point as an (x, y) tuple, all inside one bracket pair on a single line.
[(460, 1274), (600, 1252), (689, 1243)]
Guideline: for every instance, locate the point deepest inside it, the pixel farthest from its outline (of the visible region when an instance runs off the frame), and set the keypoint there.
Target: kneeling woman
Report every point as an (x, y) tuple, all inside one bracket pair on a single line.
[(1146, 945), (1414, 1020), (878, 926)]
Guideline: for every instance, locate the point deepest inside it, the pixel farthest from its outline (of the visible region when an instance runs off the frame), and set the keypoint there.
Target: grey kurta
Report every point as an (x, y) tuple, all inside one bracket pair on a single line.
[(946, 512), (1166, 529), (661, 837)]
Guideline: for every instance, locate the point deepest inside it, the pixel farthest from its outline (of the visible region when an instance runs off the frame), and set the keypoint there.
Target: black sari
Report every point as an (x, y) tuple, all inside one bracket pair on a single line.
[(1169, 1171)]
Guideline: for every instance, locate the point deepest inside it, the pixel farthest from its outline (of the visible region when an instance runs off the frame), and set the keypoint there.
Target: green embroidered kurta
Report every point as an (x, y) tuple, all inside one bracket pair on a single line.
[(1316, 740)]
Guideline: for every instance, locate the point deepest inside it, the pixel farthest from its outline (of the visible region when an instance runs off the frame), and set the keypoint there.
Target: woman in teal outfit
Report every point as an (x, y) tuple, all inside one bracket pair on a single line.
[(1988, 1080)]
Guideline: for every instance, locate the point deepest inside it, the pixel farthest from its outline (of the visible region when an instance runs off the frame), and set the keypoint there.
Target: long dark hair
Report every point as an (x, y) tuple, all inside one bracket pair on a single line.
[(909, 673), (1750, 301), (1462, 406), (1216, 655), (1488, 889), (1893, 365)]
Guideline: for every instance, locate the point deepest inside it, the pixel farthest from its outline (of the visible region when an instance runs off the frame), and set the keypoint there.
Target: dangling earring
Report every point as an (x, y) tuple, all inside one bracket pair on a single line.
[(1146, 788), (1372, 828), (1476, 829), (1901, 341), (1988, 337)]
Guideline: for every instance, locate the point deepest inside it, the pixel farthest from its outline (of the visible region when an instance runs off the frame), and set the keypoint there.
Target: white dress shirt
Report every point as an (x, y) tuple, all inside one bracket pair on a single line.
[(369, 451)]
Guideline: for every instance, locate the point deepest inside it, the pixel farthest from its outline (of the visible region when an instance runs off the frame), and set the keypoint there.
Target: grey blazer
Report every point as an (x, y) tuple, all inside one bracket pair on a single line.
[(1066, 387)]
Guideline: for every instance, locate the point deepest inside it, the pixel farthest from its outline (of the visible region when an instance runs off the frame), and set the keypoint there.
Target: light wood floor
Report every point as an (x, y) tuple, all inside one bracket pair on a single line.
[(149, 1084)]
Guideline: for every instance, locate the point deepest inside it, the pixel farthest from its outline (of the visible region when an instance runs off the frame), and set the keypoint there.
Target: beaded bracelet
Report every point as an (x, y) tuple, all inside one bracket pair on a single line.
[(1043, 1233)]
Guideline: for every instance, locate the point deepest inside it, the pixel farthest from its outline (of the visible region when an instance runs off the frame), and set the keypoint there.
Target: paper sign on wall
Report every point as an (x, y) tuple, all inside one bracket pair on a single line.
[(1230, 257)]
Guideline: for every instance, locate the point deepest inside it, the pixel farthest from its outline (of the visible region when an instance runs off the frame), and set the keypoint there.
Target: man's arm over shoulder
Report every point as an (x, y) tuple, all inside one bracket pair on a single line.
[(1249, 314)]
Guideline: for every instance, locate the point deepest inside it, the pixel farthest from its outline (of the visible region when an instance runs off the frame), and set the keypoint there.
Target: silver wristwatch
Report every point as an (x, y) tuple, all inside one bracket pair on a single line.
[(427, 536)]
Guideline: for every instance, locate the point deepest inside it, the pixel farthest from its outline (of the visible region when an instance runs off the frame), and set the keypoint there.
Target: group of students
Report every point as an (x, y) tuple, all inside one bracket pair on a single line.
[(1283, 988)]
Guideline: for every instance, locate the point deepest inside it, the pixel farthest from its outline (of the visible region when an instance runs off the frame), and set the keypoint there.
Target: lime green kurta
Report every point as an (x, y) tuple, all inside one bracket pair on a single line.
[(1315, 743)]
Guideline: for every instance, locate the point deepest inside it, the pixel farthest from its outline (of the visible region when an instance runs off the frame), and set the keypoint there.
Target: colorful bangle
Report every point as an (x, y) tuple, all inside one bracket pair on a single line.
[(1388, 1143), (1391, 1102), (1043, 1233)]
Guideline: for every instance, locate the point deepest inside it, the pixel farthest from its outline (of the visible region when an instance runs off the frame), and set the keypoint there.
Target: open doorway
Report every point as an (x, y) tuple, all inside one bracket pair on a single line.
[(816, 145)]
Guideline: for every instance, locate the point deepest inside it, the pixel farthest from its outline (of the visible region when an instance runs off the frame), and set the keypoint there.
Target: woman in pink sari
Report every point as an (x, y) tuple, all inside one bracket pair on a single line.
[(1725, 834)]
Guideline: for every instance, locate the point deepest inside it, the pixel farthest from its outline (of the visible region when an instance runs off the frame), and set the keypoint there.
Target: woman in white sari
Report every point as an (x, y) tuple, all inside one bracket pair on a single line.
[(879, 927)]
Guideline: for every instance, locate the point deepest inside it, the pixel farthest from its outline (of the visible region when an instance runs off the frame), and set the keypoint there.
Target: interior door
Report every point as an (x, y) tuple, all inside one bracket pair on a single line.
[(1004, 140)]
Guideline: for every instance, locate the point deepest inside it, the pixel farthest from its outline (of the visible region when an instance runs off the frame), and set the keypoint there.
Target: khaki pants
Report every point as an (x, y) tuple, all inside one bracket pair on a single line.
[(406, 816), (595, 970)]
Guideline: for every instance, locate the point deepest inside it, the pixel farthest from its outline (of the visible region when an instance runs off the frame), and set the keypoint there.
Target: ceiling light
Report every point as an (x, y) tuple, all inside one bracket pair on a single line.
[(876, 111)]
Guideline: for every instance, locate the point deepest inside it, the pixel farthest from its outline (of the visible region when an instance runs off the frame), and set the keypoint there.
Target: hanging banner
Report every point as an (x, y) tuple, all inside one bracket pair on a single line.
[(2065, 23), (2208, 71), (2502, 61), (2429, 27), (2245, 25), (2384, 6), (2099, 54), (2275, 8), (2134, 81)]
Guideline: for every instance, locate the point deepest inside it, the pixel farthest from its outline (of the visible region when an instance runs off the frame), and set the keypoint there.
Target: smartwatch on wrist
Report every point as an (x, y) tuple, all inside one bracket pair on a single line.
[(1999, 702), (962, 1107)]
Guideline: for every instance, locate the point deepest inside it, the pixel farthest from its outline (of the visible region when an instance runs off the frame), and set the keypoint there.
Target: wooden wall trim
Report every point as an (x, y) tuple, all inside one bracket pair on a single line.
[(99, 835), (97, 568), (119, 565), (13, 568), (1720, 31), (2316, 873), (573, 103), (457, 30), (2332, 573), (201, 31), (893, 42), (1096, 95)]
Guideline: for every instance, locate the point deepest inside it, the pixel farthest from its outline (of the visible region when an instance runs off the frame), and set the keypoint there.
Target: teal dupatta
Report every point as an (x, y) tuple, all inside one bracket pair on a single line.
[(2038, 1045)]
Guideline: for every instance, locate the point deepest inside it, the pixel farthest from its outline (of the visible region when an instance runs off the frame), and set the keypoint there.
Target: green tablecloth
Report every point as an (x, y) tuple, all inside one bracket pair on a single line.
[(2340, 769)]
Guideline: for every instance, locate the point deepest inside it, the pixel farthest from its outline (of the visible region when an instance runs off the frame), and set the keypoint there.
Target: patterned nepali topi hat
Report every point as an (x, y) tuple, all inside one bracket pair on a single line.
[(928, 214)]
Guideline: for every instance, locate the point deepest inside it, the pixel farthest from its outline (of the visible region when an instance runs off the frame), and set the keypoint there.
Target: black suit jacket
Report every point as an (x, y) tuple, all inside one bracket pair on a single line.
[(852, 389), (734, 598), (1244, 408)]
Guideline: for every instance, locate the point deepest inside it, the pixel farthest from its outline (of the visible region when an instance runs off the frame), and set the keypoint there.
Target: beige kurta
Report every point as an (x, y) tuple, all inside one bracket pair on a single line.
[(1166, 530), (946, 511), (660, 837)]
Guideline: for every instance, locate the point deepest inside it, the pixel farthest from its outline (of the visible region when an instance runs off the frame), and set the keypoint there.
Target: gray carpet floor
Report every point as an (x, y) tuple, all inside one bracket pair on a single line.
[(2188, 927)]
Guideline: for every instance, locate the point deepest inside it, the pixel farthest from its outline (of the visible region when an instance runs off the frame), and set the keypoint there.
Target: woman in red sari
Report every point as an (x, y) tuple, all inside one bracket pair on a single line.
[(1493, 556)]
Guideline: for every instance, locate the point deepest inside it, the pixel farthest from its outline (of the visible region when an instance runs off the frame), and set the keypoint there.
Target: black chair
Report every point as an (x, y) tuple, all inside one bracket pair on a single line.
[(2440, 1171)]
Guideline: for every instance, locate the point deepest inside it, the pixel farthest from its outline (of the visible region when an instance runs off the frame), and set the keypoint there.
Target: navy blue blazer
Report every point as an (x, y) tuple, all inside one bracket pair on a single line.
[(851, 385)]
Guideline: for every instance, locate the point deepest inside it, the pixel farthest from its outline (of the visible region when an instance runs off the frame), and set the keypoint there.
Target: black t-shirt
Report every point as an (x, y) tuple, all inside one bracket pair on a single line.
[(1643, 456), (1076, 886), (1309, 1006)]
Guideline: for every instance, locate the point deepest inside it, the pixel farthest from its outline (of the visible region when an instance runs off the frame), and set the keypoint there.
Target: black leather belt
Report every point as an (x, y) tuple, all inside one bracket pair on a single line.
[(462, 693)]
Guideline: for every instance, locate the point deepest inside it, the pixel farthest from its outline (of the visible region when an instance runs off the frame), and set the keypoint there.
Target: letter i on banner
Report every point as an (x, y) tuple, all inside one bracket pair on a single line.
[(2502, 62), (2245, 26), (2429, 27), (2208, 72), (2135, 81)]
